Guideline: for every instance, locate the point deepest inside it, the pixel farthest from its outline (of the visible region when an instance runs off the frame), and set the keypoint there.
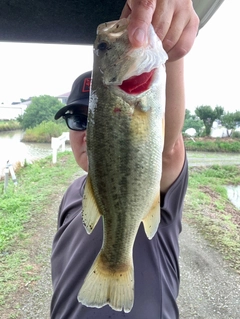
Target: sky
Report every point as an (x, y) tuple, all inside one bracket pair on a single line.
[(212, 67)]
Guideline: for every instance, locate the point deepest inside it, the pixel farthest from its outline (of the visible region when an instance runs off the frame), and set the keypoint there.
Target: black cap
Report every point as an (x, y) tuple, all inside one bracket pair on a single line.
[(79, 94)]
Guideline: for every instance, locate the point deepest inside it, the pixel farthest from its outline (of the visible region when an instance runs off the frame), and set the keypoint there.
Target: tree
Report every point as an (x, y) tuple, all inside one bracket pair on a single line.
[(219, 110), (237, 117), (42, 108), (192, 121), (208, 115), (230, 120)]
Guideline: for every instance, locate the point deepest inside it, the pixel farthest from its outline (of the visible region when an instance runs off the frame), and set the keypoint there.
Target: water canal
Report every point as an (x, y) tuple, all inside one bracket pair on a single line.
[(233, 193), (13, 150)]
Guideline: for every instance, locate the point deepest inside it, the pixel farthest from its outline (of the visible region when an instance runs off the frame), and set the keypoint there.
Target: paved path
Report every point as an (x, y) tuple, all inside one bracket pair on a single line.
[(210, 158)]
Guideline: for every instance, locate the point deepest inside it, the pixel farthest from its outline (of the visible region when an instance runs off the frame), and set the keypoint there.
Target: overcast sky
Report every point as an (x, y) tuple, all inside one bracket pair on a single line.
[(212, 68)]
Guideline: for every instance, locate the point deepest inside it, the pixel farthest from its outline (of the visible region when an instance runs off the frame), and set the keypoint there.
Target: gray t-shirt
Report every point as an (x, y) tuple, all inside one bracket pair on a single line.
[(156, 267)]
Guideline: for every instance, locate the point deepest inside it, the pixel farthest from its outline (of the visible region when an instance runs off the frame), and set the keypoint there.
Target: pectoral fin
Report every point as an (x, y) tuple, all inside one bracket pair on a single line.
[(90, 212), (152, 219)]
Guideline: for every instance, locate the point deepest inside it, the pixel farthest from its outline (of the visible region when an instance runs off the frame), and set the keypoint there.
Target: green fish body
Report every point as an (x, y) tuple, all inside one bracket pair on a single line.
[(125, 138)]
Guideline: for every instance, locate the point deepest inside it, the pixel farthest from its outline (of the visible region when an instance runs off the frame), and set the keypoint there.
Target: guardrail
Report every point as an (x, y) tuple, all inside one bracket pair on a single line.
[(56, 142)]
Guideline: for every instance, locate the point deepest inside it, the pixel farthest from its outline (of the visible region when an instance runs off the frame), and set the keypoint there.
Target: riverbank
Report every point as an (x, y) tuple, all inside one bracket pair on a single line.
[(6, 126), (25, 285)]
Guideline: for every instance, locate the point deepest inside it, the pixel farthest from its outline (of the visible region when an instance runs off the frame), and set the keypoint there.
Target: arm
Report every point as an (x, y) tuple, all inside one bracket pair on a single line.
[(175, 22), (174, 151)]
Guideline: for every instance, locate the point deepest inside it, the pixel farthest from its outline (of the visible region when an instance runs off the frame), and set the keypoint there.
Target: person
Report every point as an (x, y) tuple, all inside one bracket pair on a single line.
[(155, 261)]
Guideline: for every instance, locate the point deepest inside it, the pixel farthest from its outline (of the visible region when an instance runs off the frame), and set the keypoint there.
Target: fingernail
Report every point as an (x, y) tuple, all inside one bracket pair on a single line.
[(139, 36)]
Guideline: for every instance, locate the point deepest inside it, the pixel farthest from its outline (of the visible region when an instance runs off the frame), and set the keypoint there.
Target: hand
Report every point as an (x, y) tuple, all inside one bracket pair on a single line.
[(175, 22)]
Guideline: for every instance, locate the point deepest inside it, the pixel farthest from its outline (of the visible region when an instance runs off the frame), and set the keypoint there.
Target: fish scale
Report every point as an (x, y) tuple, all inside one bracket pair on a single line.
[(124, 145)]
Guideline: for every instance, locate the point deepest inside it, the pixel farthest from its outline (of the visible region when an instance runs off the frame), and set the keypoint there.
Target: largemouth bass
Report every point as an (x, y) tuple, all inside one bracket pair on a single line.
[(125, 137)]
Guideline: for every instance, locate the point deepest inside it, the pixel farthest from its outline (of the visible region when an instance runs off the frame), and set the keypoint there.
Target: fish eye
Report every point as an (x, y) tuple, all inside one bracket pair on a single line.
[(102, 46)]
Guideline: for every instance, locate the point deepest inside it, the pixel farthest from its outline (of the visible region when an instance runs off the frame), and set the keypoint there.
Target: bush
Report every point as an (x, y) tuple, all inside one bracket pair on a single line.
[(236, 134), (214, 145), (43, 132), (9, 125)]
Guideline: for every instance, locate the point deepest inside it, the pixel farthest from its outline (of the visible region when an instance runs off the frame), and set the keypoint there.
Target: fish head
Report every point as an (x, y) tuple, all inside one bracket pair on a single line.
[(122, 66), (111, 51)]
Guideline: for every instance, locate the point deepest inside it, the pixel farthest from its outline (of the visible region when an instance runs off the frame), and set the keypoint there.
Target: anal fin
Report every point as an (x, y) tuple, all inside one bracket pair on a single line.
[(90, 212), (152, 219)]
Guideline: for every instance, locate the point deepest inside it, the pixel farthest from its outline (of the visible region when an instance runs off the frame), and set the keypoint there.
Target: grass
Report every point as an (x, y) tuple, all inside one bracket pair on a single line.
[(213, 145), (207, 207), (19, 208), (9, 125), (35, 183)]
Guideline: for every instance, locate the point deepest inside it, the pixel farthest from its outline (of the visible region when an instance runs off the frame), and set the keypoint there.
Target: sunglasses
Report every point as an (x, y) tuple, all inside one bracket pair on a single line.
[(76, 122)]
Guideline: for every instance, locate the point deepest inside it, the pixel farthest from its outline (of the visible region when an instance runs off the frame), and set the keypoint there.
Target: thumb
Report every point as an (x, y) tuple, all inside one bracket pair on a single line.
[(141, 13)]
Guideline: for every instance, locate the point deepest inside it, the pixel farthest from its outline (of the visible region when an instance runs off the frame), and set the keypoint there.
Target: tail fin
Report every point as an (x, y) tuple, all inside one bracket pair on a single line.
[(105, 287)]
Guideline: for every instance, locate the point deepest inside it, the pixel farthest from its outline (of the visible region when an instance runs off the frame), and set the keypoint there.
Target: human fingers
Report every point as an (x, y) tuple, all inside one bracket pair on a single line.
[(162, 17), (180, 44), (176, 24), (141, 17), (174, 21), (126, 11)]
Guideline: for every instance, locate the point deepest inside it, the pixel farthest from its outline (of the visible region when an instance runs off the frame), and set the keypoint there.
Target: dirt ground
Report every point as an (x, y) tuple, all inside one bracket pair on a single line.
[(209, 288)]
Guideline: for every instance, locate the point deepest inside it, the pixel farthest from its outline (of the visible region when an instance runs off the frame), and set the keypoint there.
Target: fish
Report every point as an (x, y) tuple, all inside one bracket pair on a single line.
[(125, 139)]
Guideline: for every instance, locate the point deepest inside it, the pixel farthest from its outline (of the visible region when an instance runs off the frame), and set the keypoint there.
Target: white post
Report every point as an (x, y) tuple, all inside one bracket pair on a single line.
[(6, 171), (54, 146), (13, 174), (9, 168), (56, 142), (54, 157)]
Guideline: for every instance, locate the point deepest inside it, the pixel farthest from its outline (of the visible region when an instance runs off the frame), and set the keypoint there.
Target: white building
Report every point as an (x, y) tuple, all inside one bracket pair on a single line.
[(218, 130), (63, 97), (12, 111)]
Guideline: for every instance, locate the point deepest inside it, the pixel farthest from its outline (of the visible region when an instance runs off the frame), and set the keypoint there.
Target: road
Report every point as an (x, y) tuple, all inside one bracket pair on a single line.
[(210, 158)]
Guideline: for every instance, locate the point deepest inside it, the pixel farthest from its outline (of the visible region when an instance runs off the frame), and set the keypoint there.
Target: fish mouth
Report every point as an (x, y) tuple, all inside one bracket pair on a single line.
[(137, 84)]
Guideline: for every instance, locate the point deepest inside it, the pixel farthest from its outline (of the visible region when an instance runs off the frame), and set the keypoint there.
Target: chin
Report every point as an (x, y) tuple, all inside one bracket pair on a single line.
[(85, 168), (83, 163)]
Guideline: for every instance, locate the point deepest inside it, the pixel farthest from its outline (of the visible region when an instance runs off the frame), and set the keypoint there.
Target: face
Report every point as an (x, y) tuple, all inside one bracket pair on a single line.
[(79, 148), (78, 142)]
